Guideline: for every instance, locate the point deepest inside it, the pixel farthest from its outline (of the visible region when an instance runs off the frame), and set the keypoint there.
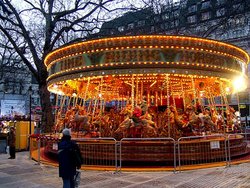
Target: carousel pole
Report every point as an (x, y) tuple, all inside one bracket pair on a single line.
[(183, 95), (122, 102), (104, 101), (118, 102), (222, 110), (136, 91), (194, 92), (172, 93), (100, 95), (69, 103), (86, 91), (61, 99), (56, 108), (156, 98), (141, 90), (200, 101), (212, 100), (148, 97), (80, 101), (76, 100), (96, 99), (103, 105), (62, 104), (238, 102), (168, 107), (90, 103), (161, 97), (132, 93), (209, 100)]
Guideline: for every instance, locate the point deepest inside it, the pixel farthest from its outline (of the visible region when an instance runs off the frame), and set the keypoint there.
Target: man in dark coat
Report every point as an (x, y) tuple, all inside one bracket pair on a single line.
[(12, 143), (67, 151)]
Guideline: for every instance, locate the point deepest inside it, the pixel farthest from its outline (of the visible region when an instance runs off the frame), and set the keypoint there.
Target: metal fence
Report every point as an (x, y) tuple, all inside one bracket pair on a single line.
[(196, 150), (98, 152), (238, 144), (147, 152), (107, 153)]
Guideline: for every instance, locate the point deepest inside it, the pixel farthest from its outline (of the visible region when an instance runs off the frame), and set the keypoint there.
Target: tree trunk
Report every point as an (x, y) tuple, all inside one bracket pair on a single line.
[(47, 116), (47, 124)]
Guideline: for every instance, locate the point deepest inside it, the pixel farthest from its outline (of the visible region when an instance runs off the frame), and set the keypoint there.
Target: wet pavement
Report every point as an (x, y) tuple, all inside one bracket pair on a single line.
[(25, 173)]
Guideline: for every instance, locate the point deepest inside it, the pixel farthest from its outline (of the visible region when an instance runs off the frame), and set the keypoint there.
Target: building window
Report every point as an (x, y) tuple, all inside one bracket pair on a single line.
[(220, 12), (192, 8), (131, 26), (205, 16), (121, 28), (220, 2), (141, 23), (205, 5), (191, 19)]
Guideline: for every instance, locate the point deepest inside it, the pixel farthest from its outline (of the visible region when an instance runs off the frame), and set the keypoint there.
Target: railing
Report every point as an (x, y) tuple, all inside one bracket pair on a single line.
[(235, 147), (107, 153), (147, 151), (196, 150), (98, 151)]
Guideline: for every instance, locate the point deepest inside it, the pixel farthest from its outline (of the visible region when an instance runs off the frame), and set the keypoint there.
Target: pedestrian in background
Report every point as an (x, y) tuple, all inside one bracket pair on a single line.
[(12, 143), (67, 151)]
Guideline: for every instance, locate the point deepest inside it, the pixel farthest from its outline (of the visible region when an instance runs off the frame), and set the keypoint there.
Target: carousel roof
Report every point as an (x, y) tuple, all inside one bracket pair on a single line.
[(116, 65)]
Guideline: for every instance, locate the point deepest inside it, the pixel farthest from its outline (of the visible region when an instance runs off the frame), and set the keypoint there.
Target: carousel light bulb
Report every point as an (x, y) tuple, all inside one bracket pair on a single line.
[(239, 84), (227, 89), (55, 86)]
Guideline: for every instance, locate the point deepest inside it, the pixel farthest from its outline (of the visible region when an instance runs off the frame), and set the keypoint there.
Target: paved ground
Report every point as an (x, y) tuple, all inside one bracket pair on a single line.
[(25, 173)]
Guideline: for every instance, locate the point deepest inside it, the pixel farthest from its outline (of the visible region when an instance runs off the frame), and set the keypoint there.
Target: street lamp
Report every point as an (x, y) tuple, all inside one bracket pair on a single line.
[(30, 92)]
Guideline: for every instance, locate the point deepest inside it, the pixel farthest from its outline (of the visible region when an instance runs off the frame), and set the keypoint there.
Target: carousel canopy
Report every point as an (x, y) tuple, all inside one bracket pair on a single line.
[(113, 68)]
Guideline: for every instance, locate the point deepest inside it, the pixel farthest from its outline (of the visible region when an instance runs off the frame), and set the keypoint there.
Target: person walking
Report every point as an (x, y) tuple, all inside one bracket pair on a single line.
[(12, 143), (69, 158)]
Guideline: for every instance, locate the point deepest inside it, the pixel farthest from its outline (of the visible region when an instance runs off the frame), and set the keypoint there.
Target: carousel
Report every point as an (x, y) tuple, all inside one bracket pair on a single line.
[(146, 86)]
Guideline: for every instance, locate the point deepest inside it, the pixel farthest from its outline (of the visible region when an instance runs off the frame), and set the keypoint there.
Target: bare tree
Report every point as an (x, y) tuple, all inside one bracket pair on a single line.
[(39, 26)]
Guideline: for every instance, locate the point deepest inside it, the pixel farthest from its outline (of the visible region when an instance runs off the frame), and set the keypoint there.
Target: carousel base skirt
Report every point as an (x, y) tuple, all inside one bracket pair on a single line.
[(150, 155)]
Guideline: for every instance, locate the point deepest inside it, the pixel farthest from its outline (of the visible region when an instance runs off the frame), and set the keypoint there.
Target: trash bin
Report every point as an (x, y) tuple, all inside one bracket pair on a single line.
[(3, 142)]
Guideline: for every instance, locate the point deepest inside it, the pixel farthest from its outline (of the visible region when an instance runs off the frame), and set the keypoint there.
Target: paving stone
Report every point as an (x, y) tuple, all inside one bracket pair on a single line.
[(25, 173)]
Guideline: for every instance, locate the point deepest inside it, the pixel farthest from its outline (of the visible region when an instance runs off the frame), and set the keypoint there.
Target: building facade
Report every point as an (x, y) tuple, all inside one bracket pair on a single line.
[(15, 84)]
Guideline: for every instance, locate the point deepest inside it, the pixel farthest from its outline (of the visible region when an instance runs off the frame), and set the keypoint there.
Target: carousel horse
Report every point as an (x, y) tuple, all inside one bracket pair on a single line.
[(101, 123), (136, 122), (82, 121), (124, 125), (174, 125), (59, 126), (202, 122), (232, 122)]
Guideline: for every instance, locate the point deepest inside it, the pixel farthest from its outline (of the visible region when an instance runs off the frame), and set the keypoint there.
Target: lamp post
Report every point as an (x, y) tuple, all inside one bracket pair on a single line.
[(30, 94)]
